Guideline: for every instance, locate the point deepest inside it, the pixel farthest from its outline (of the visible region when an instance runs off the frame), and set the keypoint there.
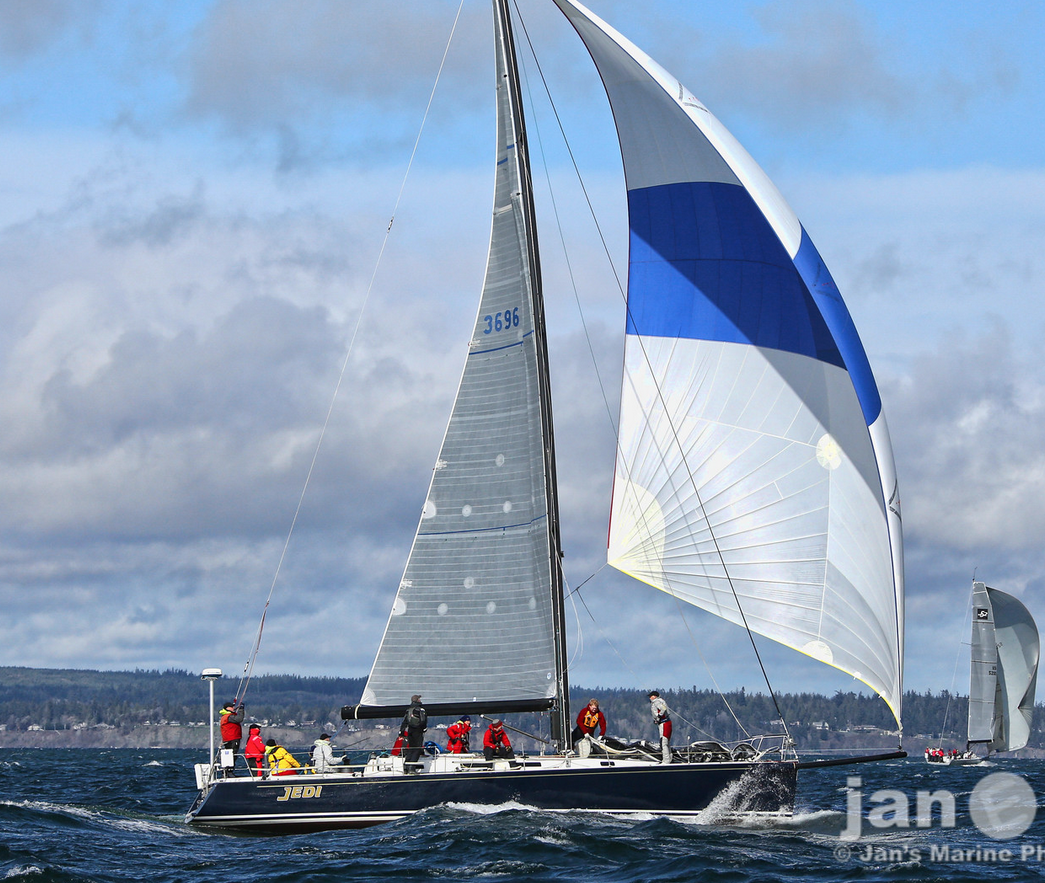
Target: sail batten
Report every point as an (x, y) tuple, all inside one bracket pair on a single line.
[(753, 464)]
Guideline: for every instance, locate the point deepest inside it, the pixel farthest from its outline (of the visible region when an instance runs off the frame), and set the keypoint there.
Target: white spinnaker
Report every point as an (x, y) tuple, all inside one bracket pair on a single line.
[(1018, 651), (616, 57), (737, 459), (722, 439)]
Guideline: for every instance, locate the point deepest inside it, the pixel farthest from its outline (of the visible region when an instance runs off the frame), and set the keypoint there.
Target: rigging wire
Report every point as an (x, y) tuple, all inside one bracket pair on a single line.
[(670, 421), (578, 647), (574, 595), (248, 668), (535, 127)]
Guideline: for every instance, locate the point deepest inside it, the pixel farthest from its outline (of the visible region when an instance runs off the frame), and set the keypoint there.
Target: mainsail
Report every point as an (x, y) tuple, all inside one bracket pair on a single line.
[(1004, 670), (477, 620), (755, 476)]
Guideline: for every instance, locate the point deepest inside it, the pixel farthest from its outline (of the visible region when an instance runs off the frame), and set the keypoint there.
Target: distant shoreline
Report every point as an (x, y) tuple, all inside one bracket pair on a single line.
[(72, 708)]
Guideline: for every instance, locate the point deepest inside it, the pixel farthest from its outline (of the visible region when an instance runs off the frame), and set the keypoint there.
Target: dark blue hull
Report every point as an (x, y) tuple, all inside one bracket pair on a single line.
[(314, 803)]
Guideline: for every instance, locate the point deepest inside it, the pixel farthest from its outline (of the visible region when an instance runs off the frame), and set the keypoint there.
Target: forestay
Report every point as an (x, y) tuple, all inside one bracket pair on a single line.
[(754, 469)]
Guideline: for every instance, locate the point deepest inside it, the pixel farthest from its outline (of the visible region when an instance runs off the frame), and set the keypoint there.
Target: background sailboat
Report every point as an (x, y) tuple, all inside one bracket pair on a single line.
[(1004, 670), (1003, 675)]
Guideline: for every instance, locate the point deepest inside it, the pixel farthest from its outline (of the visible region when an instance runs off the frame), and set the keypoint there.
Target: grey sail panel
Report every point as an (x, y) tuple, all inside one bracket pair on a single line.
[(983, 674), (474, 618), (1018, 650)]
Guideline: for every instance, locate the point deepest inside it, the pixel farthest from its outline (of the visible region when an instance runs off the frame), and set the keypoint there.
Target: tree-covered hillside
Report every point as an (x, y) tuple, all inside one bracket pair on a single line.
[(66, 699), (71, 700)]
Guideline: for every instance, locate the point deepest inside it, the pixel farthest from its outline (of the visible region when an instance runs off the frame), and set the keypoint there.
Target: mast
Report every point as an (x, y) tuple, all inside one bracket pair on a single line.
[(560, 713), (477, 624)]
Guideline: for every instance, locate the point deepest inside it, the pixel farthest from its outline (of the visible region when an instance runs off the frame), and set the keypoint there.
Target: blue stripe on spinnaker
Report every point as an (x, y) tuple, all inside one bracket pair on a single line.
[(819, 281), (705, 264)]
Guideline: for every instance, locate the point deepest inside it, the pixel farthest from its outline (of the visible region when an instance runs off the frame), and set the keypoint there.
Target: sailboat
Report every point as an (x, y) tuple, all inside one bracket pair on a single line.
[(754, 478), (1002, 678)]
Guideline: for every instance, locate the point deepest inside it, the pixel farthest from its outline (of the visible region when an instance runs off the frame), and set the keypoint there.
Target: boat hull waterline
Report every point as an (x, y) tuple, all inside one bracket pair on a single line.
[(337, 800)]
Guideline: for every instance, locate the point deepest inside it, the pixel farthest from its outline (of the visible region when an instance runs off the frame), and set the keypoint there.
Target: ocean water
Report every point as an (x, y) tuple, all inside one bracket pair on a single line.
[(118, 815)]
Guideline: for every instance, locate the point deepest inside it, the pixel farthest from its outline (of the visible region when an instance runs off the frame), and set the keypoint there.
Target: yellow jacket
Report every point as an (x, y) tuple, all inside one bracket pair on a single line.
[(280, 760)]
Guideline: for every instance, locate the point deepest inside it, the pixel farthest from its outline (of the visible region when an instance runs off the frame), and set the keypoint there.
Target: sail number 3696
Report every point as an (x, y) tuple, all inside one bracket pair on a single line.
[(501, 321)]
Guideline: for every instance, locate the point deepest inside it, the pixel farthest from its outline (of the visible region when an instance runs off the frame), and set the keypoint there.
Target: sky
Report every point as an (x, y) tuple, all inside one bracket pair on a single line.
[(195, 200)]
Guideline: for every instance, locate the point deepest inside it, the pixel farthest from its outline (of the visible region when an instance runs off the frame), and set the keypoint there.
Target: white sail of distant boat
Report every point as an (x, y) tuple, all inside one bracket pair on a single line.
[(754, 478), (1004, 670)]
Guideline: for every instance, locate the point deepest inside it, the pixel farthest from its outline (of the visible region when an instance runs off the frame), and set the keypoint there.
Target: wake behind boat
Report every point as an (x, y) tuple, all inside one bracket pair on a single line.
[(754, 479)]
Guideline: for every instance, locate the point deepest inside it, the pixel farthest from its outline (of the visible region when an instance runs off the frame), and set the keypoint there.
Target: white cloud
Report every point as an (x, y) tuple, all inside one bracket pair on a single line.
[(973, 443), (176, 306), (160, 410)]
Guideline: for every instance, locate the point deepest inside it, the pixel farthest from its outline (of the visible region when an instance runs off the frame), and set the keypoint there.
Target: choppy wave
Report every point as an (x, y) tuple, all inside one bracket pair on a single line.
[(486, 809), (109, 816), (96, 816)]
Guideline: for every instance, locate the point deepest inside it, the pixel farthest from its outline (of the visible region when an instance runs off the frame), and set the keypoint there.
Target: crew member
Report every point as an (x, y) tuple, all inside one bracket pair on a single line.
[(255, 751), (496, 744), (323, 755), (457, 736), (659, 709), (231, 718), (588, 719), (281, 762), (415, 721)]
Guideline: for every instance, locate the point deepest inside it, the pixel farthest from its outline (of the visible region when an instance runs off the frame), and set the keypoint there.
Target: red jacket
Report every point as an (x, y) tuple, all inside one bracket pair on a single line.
[(255, 750), (231, 731), (495, 738), (588, 720), (457, 737)]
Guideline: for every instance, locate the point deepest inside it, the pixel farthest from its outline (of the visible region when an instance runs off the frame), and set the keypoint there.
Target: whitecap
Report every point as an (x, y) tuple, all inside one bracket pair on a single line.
[(485, 809), (23, 872)]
